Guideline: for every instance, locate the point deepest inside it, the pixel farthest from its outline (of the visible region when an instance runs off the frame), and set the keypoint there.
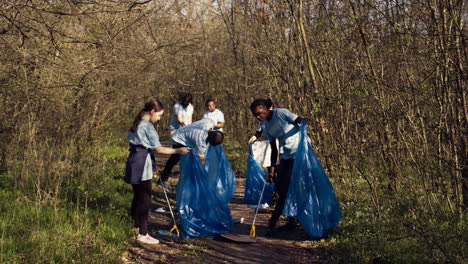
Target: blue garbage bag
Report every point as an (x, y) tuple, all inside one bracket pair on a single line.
[(202, 211), (220, 172), (310, 195), (255, 179)]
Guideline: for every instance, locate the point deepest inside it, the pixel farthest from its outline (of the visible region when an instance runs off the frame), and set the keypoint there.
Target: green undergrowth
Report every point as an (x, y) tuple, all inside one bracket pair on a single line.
[(398, 226), (237, 154), (84, 217), (86, 221), (50, 233)]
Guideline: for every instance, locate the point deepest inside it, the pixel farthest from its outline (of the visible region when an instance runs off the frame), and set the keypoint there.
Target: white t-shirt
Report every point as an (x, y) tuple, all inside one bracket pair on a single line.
[(217, 116), (179, 109), (195, 136), (261, 152)]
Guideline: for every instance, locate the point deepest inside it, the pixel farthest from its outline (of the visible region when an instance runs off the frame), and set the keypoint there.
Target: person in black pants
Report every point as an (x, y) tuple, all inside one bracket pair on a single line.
[(281, 124), (196, 136), (181, 116), (144, 141), (170, 163), (271, 175)]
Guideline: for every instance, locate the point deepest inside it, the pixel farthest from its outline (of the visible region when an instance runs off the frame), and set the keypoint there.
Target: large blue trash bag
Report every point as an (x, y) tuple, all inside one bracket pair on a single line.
[(310, 195), (220, 172), (202, 211), (255, 179)]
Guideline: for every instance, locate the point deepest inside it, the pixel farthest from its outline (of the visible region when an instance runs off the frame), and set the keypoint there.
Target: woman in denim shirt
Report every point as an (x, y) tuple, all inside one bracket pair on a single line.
[(144, 142)]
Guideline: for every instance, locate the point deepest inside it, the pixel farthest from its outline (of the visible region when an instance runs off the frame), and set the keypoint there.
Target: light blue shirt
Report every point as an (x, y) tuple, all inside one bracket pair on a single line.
[(217, 116), (146, 136), (195, 136), (179, 109), (261, 126), (282, 127)]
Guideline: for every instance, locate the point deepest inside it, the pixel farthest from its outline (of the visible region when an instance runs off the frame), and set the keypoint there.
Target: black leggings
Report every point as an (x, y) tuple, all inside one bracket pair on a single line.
[(171, 162), (140, 205), (284, 177)]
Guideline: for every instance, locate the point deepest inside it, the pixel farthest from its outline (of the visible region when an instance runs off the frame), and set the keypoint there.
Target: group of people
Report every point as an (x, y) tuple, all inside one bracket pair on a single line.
[(196, 135), (275, 124)]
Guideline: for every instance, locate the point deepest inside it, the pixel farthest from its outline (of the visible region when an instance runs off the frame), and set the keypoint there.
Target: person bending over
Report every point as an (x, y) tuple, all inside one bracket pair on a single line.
[(283, 125), (197, 136)]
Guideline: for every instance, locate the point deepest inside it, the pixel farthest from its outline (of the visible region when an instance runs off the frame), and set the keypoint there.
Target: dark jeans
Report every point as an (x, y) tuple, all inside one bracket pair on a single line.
[(140, 205), (171, 162), (284, 177)]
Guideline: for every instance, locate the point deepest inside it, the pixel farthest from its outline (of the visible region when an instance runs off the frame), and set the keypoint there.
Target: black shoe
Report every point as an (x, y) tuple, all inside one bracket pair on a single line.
[(291, 225), (271, 232)]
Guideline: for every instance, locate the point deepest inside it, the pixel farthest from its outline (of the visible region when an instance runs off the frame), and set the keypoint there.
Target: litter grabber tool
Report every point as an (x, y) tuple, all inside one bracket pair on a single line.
[(238, 238), (252, 229), (174, 227), (259, 205), (244, 238)]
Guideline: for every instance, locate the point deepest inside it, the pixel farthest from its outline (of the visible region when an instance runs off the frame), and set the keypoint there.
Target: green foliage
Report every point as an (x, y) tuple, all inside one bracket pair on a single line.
[(89, 223), (47, 233), (237, 154), (402, 227)]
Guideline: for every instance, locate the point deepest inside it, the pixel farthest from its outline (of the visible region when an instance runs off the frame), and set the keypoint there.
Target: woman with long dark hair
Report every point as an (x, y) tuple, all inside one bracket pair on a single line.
[(144, 142)]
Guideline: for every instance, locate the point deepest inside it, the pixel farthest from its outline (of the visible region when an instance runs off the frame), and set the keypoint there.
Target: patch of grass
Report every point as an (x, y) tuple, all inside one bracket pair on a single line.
[(403, 226), (237, 154), (50, 233), (87, 223)]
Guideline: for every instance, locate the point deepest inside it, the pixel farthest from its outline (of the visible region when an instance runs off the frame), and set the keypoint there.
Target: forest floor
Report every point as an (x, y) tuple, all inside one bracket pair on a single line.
[(284, 247)]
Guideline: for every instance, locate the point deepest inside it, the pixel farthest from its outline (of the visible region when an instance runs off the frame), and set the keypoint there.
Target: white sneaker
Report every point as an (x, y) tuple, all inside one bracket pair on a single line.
[(147, 239)]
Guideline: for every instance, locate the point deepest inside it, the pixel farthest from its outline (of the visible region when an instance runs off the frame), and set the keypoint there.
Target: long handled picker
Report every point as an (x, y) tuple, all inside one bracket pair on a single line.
[(174, 227), (253, 234)]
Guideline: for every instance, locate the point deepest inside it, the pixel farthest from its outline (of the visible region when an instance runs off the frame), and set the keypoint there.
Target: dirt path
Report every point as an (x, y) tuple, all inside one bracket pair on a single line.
[(285, 247)]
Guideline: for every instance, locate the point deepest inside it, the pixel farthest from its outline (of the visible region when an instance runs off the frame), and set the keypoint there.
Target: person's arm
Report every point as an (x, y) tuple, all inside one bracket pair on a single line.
[(189, 120), (180, 119), (273, 159), (189, 113), (200, 146), (178, 112), (257, 135), (220, 120), (299, 119), (165, 150)]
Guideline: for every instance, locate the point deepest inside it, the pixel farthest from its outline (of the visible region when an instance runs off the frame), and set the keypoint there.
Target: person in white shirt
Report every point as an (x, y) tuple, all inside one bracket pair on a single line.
[(181, 113), (214, 114)]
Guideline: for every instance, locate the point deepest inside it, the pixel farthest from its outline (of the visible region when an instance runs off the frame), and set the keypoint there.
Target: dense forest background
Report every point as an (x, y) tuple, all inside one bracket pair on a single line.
[(382, 82)]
